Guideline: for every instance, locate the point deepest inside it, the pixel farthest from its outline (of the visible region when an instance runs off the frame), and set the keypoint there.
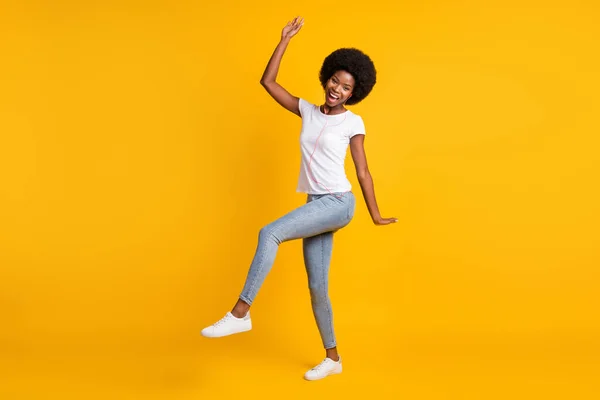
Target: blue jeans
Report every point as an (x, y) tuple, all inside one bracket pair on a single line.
[(315, 222)]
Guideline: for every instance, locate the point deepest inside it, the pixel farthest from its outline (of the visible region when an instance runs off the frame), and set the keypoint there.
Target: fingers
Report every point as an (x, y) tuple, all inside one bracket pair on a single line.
[(297, 22), (293, 26), (387, 221)]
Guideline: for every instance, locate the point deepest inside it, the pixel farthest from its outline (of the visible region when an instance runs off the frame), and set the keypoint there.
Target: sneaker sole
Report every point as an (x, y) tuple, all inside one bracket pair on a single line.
[(335, 371), (228, 334)]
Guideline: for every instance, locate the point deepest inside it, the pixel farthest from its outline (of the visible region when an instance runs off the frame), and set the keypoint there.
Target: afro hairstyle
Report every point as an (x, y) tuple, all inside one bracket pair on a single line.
[(355, 62)]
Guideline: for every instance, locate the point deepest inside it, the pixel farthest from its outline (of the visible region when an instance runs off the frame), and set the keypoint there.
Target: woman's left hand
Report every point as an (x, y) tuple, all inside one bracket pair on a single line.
[(385, 221)]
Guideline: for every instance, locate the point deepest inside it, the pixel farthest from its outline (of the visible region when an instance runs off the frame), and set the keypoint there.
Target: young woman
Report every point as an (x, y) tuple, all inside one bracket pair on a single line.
[(347, 77)]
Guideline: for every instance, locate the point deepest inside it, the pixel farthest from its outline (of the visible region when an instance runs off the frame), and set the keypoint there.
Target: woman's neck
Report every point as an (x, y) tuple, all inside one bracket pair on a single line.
[(325, 109)]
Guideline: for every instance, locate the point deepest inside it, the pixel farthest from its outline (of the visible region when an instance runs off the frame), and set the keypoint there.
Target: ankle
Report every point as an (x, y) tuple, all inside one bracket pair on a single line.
[(333, 355), (240, 309), (239, 313)]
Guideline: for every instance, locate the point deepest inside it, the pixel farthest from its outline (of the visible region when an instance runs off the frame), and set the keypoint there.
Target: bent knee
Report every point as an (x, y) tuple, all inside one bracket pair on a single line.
[(268, 233)]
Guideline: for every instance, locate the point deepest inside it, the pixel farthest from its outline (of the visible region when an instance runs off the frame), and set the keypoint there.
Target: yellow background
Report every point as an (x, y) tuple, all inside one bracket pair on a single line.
[(139, 157)]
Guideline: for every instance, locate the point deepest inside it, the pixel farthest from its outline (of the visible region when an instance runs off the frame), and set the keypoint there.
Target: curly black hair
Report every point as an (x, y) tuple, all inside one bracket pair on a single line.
[(355, 62)]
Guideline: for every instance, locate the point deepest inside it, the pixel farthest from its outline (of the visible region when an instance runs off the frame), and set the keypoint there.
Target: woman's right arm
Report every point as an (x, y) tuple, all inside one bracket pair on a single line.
[(268, 80)]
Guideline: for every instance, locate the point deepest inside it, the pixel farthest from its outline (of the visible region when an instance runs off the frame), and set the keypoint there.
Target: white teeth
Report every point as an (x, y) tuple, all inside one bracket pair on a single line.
[(333, 97)]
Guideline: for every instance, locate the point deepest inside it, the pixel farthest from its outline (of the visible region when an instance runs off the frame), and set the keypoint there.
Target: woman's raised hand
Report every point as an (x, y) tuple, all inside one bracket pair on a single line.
[(292, 28)]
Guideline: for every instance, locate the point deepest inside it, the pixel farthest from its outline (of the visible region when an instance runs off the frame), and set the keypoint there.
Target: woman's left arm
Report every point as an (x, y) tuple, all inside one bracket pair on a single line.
[(357, 149)]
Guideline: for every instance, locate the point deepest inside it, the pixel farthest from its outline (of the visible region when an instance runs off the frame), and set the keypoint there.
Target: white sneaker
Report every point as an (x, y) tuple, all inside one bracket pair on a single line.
[(228, 325), (324, 369)]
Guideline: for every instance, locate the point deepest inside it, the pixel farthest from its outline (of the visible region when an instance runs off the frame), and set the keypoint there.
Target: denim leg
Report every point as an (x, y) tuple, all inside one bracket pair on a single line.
[(323, 214), (317, 259)]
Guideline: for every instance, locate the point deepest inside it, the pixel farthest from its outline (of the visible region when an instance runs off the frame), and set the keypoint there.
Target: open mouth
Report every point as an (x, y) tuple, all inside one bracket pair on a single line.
[(332, 97)]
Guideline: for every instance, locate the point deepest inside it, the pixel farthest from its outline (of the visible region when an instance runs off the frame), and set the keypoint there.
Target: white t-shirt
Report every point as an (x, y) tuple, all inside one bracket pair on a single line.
[(324, 140)]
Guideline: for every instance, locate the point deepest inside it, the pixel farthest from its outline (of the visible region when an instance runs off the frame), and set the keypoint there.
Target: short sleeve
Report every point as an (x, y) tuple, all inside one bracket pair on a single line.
[(304, 106), (358, 127)]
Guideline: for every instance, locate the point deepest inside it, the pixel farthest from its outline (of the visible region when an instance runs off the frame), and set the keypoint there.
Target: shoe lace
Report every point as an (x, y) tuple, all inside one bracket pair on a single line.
[(321, 365), (221, 321)]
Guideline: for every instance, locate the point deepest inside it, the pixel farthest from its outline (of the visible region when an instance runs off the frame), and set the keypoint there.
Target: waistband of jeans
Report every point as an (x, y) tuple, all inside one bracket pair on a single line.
[(330, 194)]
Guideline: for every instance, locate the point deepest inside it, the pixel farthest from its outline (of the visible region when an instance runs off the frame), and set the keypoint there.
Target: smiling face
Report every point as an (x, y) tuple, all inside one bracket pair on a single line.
[(339, 88)]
